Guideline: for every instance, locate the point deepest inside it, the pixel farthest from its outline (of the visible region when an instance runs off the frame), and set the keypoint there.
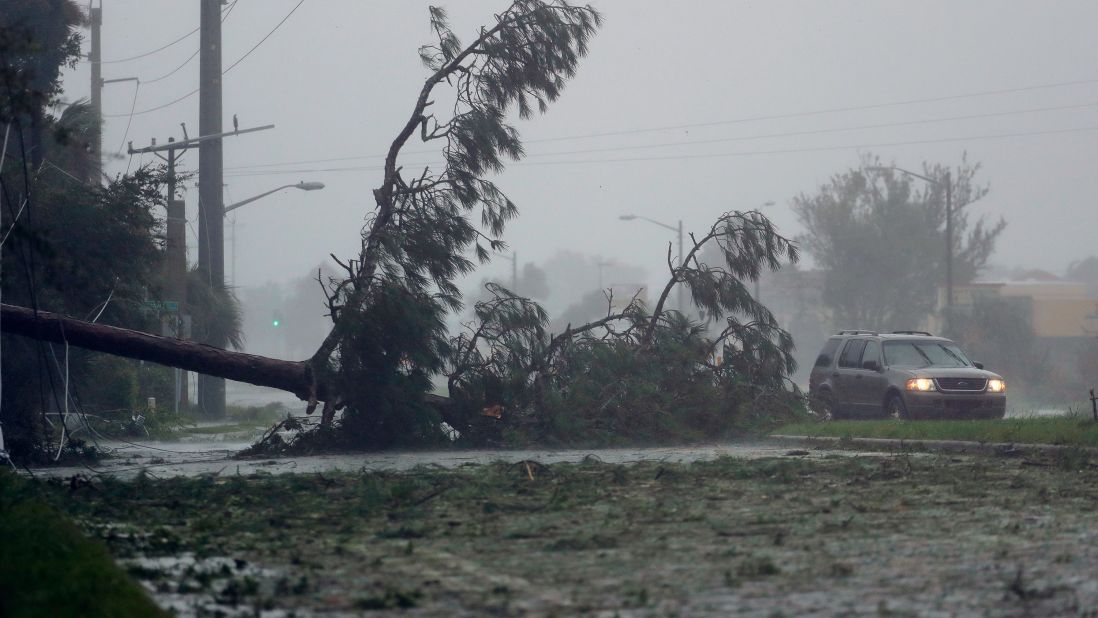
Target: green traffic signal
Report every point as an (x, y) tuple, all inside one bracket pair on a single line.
[(275, 323)]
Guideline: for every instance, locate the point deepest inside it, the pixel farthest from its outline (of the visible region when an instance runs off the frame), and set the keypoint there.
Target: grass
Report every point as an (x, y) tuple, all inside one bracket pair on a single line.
[(1003, 535), (49, 568), (1069, 430)]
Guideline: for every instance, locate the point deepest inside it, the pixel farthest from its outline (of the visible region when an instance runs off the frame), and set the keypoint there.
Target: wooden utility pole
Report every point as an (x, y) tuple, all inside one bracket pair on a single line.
[(175, 275), (95, 58), (211, 216), (949, 254), (175, 267)]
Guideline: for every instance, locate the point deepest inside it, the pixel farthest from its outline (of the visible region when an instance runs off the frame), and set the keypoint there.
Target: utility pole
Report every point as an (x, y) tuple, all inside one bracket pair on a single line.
[(176, 267), (949, 253), (758, 292), (948, 186), (175, 249), (211, 216), (682, 306), (514, 272), (176, 227), (95, 57)]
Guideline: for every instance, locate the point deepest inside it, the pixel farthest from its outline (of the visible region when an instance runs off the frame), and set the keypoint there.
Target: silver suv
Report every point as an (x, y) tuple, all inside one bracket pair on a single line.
[(901, 375)]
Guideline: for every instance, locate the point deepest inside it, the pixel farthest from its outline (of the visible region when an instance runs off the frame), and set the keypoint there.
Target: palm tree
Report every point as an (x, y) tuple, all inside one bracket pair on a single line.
[(72, 148), (215, 311)]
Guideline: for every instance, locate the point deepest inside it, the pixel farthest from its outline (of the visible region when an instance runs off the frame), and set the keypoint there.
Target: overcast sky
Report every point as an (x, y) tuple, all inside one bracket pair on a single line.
[(340, 76)]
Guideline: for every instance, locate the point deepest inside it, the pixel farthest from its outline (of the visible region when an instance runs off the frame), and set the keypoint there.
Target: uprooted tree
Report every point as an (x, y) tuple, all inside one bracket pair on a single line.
[(414, 244), (415, 241), (633, 374), (388, 306)]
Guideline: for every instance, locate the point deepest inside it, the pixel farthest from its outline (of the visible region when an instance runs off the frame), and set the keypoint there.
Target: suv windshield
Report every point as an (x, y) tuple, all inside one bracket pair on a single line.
[(924, 354)]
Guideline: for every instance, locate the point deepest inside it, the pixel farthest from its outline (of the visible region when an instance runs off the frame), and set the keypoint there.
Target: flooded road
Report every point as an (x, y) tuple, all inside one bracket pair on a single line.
[(799, 534), (174, 459)]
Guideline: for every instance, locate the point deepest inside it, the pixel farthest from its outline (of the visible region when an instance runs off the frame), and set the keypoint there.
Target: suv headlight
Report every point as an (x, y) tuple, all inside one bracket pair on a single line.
[(995, 385), (920, 384)]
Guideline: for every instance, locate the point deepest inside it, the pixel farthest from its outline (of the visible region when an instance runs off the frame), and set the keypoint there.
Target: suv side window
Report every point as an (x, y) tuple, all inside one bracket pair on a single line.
[(872, 353), (852, 353), (827, 355)]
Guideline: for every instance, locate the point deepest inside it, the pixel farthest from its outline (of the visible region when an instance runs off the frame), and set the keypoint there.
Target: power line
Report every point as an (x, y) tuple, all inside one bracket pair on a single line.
[(133, 106), (824, 148), (816, 131), (192, 56), (366, 168), (832, 110), (254, 47), (166, 46), (720, 139), (195, 91), (712, 155), (157, 50), (153, 109), (175, 70)]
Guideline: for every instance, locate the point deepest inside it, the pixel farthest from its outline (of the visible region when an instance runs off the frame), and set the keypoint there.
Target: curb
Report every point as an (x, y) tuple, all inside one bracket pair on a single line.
[(944, 446)]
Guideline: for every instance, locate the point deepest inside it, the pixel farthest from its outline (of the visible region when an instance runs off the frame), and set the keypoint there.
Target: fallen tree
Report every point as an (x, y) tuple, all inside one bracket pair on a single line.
[(291, 376), (634, 373), (388, 336), (259, 370)]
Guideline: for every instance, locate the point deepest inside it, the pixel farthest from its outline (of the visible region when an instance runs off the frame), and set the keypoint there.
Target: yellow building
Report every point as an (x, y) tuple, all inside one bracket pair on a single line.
[(1059, 309)]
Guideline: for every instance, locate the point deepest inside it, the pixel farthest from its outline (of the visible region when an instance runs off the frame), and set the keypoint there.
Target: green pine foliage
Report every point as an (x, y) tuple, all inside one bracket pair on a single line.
[(634, 376), (389, 304), (399, 341)]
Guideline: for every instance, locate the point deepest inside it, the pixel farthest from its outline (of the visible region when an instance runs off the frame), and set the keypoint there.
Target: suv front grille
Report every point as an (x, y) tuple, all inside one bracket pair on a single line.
[(962, 384)]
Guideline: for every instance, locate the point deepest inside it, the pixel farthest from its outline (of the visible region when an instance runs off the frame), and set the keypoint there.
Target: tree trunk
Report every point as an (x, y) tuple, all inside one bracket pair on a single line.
[(295, 377)]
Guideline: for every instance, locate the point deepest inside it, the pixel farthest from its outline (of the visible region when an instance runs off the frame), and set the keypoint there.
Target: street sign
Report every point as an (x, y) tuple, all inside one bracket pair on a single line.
[(161, 306)]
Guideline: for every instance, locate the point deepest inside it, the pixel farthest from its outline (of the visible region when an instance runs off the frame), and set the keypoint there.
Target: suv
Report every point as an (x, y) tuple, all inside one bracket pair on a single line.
[(901, 375)]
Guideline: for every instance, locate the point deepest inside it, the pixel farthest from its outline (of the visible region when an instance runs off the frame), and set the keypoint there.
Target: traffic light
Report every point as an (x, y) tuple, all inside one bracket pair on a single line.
[(276, 319)]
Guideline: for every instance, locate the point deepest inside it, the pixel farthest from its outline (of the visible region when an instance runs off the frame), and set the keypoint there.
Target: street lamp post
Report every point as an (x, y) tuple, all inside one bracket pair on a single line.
[(948, 184), (678, 230), (304, 186), (758, 291), (212, 389)]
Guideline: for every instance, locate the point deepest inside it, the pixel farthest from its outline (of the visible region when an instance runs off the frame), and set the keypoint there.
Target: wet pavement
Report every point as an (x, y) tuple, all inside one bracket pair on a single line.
[(196, 458)]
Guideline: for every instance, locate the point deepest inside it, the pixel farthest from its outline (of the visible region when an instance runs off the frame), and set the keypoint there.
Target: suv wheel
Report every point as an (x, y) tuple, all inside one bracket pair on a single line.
[(895, 408)]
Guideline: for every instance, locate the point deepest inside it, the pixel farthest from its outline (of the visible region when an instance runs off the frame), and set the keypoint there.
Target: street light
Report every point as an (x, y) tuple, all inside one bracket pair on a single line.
[(758, 292), (211, 388), (304, 186), (948, 184), (673, 229)]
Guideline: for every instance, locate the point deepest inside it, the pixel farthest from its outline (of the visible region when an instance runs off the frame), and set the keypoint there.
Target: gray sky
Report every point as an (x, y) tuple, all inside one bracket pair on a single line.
[(339, 78)]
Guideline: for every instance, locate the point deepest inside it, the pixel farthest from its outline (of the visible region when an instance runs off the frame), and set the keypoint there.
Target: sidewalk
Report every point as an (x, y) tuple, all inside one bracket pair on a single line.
[(946, 446)]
